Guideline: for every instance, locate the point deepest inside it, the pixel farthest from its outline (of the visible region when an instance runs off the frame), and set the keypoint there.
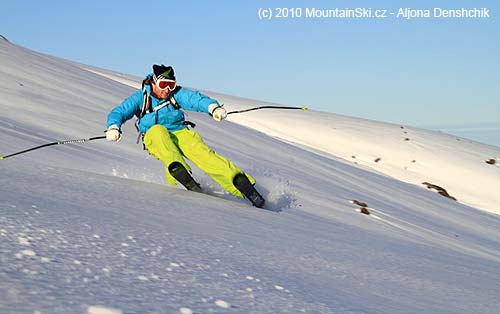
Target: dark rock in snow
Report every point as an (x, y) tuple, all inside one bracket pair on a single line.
[(439, 189), (364, 210), (364, 207), (490, 161)]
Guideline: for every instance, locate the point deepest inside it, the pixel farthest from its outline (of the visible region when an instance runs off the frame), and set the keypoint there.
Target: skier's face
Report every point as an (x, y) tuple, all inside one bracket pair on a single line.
[(160, 93)]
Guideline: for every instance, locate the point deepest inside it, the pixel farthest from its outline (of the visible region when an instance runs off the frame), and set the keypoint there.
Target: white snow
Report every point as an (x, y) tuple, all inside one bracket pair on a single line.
[(142, 278), (403, 152), (45, 259), (223, 304), (23, 241), (28, 252), (185, 310), (98, 309), (96, 223)]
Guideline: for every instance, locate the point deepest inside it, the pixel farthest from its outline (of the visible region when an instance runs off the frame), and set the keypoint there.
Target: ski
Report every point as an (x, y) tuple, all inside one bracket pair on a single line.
[(244, 185), (180, 173), (240, 181)]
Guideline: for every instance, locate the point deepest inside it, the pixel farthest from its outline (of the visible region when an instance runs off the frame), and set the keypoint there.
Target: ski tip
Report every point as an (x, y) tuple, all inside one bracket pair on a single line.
[(1, 157), (304, 108)]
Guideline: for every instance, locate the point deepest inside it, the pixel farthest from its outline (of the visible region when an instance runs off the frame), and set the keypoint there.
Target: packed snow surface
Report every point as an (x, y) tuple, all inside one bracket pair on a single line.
[(94, 228)]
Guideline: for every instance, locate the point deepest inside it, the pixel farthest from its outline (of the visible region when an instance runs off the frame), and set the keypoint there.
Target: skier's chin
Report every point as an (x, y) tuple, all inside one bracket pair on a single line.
[(163, 94)]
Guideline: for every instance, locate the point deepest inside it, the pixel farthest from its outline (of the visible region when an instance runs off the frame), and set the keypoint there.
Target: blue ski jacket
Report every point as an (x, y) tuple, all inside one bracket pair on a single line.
[(168, 116)]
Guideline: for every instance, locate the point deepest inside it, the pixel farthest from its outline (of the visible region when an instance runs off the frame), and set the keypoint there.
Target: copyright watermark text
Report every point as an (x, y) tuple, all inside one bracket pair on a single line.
[(372, 13)]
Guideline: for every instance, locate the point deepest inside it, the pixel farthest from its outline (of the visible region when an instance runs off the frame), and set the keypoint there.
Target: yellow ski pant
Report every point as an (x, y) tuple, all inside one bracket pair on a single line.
[(169, 147)]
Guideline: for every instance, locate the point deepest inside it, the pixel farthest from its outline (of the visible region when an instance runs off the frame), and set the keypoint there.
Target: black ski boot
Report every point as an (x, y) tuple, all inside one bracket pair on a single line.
[(179, 172), (244, 185)]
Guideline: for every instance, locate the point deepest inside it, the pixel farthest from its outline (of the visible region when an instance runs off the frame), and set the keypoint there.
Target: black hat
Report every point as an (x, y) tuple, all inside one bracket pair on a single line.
[(163, 71)]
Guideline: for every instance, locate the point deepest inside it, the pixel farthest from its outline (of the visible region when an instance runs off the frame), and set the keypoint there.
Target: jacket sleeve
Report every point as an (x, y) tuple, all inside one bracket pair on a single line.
[(126, 110), (194, 100)]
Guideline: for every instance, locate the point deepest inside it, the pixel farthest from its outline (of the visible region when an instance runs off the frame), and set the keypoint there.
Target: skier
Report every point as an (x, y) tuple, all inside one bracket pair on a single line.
[(158, 107)]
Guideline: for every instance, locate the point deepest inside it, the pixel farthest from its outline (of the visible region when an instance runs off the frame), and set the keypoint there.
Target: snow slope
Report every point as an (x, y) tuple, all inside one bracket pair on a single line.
[(406, 153), (93, 228)]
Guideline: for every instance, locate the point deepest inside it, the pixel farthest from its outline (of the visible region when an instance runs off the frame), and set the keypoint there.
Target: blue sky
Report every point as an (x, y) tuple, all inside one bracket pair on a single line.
[(419, 72)]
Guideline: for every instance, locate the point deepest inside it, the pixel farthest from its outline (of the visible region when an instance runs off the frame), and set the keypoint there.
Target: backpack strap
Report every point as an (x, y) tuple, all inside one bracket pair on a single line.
[(174, 104), (172, 99), (146, 98), (147, 108)]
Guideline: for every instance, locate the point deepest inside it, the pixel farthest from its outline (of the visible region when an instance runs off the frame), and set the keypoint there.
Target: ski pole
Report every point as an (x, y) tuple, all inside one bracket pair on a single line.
[(268, 107), (83, 140)]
